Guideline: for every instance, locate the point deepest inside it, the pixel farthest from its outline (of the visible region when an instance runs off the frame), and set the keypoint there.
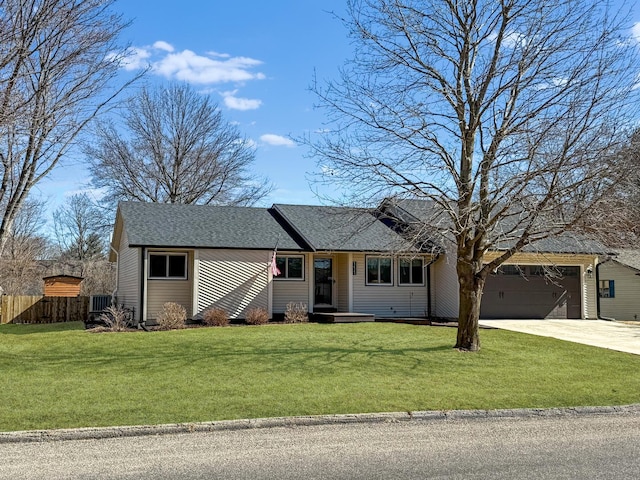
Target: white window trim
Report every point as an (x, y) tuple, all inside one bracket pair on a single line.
[(366, 271), (283, 275), (170, 254), (411, 259)]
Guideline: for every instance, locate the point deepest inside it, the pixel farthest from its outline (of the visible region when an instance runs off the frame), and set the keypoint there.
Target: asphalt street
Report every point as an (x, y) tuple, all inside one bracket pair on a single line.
[(555, 447)]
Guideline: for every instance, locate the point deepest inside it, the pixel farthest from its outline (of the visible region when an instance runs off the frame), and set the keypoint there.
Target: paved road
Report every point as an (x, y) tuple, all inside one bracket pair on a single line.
[(559, 447), (599, 333)]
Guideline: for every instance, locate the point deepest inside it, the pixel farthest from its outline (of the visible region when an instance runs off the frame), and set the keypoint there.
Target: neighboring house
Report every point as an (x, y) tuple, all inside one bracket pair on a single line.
[(330, 258), (619, 286)]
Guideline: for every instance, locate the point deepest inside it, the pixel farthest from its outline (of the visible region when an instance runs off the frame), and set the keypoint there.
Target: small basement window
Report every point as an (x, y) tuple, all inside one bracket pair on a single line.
[(168, 266), (606, 289)]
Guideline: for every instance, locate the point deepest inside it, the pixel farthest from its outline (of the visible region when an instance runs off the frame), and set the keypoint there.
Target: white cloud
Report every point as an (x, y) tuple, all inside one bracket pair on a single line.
[(136, 58), (277, 140), (205, 71), (162, 45), (95, 194), (211, 53), (186, 65), (635, 31), (202, 70), (235, 103)]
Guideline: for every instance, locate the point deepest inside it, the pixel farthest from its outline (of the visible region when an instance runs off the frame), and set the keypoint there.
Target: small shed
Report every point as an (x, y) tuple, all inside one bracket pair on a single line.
[(62, 286)]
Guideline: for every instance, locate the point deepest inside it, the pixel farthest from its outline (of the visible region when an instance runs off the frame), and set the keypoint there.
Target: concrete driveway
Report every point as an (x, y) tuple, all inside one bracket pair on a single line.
[(599, 333)]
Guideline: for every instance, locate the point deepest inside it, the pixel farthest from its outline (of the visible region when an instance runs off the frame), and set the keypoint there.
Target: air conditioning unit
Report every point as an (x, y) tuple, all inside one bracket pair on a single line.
[(98, 303)]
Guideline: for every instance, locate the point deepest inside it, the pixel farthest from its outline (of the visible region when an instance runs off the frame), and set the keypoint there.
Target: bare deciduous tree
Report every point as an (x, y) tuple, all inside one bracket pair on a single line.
[(175, 147), (58, 60), (615, 221), (80, 229), (20, 268), (503, 114)]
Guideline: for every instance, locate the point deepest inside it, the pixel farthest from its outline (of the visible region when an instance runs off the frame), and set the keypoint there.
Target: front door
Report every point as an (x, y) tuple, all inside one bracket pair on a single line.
[(323, 278)]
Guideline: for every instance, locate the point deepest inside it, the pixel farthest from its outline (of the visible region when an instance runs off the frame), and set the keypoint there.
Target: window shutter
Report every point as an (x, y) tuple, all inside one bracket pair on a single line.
[(612, 289)]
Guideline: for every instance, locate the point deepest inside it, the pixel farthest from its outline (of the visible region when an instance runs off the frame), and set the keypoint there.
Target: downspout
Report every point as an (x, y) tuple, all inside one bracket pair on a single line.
[(598, 316), (142, 289), (429, 301), (429, 292), (115, 290)]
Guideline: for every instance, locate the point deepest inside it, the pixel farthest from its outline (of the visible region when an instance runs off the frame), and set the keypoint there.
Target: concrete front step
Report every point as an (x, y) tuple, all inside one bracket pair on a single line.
[(344, 317)]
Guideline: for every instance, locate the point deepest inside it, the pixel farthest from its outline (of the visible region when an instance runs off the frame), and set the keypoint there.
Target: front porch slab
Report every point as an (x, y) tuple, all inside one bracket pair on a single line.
[(343, 317)]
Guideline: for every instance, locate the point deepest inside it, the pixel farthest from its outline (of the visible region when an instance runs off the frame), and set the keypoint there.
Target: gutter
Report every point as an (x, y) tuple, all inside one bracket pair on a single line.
[(143, 279), (115, 290), (599, 316), (429, 302)]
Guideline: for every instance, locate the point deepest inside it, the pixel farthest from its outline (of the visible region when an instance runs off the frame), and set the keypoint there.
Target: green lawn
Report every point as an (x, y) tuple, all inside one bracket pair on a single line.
[(58, 376)]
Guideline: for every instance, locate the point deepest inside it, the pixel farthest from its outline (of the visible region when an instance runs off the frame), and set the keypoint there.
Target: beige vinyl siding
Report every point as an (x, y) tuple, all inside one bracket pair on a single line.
[(128, 293), (626, 303), (590, 290), (161, 291), (235, 280), (387, 300), (341, 272), (444, 282), (286, 291)]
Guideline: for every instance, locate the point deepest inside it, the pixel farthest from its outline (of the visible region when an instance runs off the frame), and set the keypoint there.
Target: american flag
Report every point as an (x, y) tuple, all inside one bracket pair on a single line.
[(274, 267)]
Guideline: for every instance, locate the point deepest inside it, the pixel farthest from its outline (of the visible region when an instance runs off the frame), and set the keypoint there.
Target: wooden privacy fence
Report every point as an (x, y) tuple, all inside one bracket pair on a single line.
[(39, 309)]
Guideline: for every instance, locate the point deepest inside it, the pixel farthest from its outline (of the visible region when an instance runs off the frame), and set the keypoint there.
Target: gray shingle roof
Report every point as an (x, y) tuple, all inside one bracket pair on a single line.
[(203, 226), (341, 229), (628, 257), (568, 242)]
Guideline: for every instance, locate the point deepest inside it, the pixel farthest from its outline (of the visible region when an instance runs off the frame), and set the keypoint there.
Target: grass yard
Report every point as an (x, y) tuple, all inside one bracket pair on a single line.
[(59, 376)]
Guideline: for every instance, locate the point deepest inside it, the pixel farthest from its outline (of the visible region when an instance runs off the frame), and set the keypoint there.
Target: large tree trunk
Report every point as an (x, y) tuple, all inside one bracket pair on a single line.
[(471, 287)]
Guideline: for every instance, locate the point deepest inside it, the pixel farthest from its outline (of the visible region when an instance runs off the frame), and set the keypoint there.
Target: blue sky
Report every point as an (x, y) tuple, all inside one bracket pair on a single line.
[(256, 59)]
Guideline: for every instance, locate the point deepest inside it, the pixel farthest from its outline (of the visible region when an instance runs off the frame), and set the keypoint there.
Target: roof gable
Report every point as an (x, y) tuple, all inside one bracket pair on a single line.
[(202, 226), (628, 257), (341, 228)]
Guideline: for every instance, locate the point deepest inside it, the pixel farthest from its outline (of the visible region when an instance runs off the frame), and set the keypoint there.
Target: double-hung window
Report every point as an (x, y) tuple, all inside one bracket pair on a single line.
[(291, 267), (379, 270), (411, 271), (171, 266)]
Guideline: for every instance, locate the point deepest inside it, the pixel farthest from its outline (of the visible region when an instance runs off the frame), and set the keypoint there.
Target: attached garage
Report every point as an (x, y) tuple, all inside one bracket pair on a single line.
[(529, 291)]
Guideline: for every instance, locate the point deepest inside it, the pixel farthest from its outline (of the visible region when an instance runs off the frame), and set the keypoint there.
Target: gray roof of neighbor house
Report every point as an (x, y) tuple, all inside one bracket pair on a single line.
[(203, 226), (628, 257), (409, 210), (341, 229)]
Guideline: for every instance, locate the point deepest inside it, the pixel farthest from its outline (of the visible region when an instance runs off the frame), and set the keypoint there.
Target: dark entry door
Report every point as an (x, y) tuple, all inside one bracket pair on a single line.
[(323, 276)]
